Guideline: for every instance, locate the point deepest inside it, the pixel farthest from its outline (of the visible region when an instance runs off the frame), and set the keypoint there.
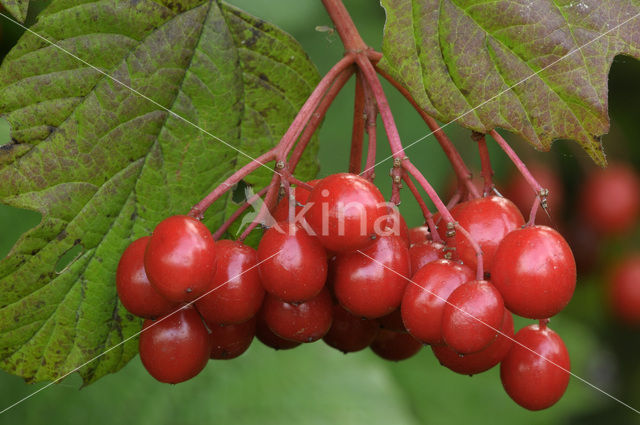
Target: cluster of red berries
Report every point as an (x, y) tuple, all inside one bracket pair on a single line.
[(347, 270)]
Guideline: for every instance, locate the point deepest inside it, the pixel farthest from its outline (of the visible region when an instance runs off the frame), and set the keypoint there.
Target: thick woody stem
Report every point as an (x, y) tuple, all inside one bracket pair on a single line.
[(318, 116), (198, 210), (357, 133), (485, 162), (344, 26), (459, 167), (237, 213)]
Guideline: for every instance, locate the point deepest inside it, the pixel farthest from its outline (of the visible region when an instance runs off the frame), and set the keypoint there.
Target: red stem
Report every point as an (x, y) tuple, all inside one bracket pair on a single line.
[(428, 217), (269, 202), (357, 133), (371, 114), (485, 161), (459, 167), (198, 210), (344, 26), (318, 115), (305, 113), (237, 213), (517, 162)]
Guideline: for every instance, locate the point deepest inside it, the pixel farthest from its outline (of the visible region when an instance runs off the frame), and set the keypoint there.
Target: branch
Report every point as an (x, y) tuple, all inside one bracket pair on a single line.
[(345, 26)]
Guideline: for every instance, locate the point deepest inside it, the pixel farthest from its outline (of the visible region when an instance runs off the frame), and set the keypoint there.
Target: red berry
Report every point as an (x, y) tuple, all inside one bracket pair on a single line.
[(392, 321), (230, 341), (522, 195), (423, 253), (237, 293), (472, 316), (424, 298), (535, 272), (610, 199), (281, 212), (268, 338), (180, 259), (537, 376), (488, 220), (419, 234), (344, 211), (483, 360), (395, 224), (306, 321), (293, 264), (370, 283), (176, 347), (350, 333), (137, 295), (624, 289), (395, 346)]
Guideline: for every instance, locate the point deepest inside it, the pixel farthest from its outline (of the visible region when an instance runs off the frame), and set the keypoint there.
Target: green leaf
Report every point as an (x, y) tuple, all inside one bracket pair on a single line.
[(458, 59), (17, 8), (104, 165)]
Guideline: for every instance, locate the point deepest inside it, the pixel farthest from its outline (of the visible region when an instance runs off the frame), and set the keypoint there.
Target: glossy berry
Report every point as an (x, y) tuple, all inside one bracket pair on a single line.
[(480, 361), (176, 347), (306, 321), (281, 212), (392, 321), (344, 211), (472, 316), (535, 272), (423, 253), (419, 234), (536, 380), (137, 295), (522, 195), (395, 346), (371, 283), (610, 199), (488, 220), (349, 333), (292, 264), (424, 299), (180, 259), (230, 341), (623, 286), (394, 224), (268, 338), (236, 294)]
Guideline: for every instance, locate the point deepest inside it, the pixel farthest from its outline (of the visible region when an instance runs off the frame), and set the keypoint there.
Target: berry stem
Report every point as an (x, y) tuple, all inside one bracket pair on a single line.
[(237, 213), (428, 217), (371, 117), (517, 162), (198, 210), (357, 134), (318, 116), (485, 161), (344, 26), (463, 173), (269, 202)]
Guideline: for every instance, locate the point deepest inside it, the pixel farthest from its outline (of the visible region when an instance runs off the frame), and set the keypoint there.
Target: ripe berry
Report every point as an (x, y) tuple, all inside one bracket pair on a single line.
[(237, 293), (306, 321), (180, 259), (392, 321), (535, 272), (483, 360), (137, 295), (623, 287), (424, 299), (419, 234), (176, 347), (268, 338), (395, 346), (344, 211), (394, 225), (537, 376), (610, 199), (281, 212), (230, 341), (423, 253), (293, 264), (488, 220), (472, 316), (349, 333), (370, 283)]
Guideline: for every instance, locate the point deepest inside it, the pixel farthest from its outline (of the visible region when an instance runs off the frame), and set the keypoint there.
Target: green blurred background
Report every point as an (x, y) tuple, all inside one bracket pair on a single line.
[(315, 384)]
